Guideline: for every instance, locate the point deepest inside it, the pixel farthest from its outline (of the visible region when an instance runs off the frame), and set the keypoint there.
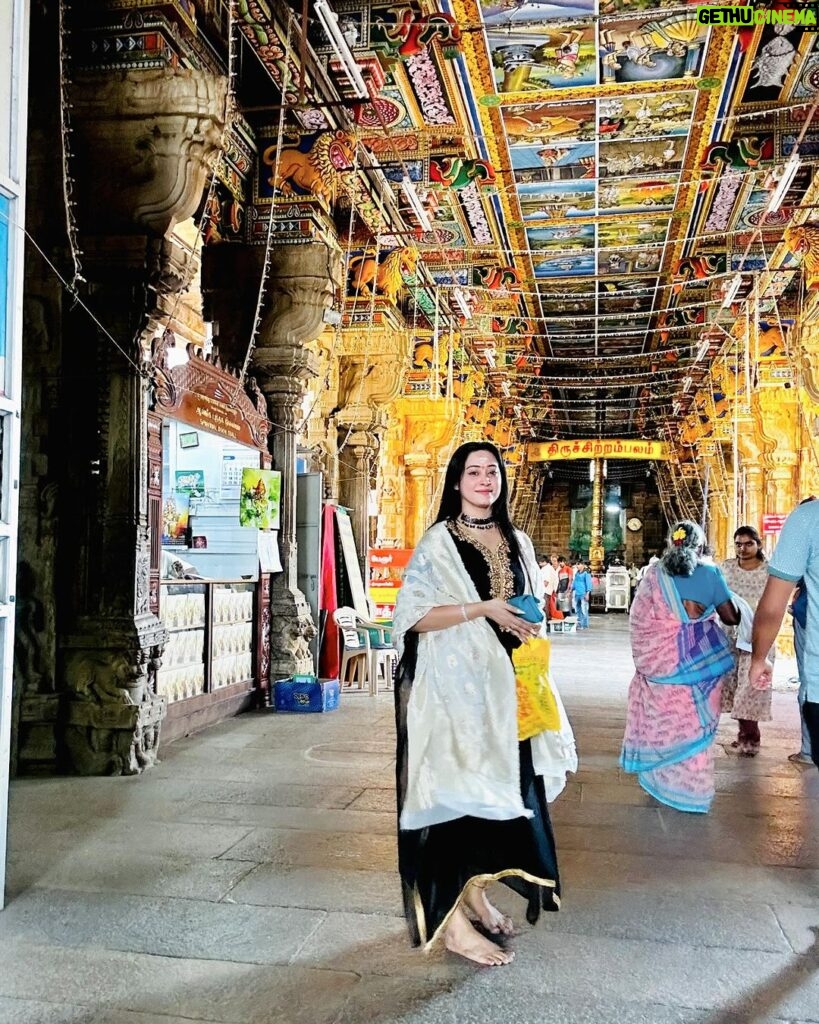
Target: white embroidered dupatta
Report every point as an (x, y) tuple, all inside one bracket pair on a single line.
[(462, 733)]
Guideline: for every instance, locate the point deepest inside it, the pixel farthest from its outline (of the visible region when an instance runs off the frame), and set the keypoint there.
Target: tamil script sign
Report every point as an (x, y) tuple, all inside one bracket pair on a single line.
[(773, 522), (549, 451)]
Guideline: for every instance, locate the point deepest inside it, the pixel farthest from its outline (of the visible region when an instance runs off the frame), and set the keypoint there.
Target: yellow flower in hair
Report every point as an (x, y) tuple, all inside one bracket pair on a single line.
[(678, 536)]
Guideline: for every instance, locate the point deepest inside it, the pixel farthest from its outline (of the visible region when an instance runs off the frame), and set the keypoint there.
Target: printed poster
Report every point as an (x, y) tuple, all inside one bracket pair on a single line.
[(260, 498)]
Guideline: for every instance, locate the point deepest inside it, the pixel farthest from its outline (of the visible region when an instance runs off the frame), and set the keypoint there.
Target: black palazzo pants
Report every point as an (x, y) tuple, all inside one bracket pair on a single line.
[(435, 863)]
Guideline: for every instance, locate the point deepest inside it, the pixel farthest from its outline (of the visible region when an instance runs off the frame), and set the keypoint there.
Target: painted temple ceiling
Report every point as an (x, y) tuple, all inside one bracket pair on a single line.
[(596, 181)]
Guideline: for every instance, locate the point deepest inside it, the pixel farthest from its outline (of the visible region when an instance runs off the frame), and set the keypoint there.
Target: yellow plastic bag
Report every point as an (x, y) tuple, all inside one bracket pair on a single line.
[(537, 707)]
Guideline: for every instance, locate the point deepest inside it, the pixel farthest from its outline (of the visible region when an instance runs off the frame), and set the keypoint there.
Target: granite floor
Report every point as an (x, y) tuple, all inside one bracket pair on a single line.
[(251, 879)]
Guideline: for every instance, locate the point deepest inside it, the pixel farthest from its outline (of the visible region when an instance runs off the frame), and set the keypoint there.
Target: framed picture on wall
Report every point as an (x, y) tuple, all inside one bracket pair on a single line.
[(189, 439)]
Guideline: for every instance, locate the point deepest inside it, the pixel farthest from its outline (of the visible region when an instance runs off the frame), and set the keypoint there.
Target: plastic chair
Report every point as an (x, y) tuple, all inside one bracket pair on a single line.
[(356, 650), (383, 656)]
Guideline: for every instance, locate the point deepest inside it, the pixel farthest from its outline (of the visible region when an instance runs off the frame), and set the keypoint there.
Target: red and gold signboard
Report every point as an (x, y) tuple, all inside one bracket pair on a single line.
[(386, 567), (549, 451)]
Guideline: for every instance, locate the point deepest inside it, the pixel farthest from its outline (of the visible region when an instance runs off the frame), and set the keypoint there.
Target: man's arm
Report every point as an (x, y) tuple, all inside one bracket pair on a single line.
[(767, 620)]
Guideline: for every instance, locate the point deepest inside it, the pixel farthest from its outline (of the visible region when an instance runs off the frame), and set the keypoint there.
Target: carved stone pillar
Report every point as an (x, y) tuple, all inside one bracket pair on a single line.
[(302, 282), (781, 482), (356, 463), (143, 140), (754, 496), (418, 467), (370, 377)]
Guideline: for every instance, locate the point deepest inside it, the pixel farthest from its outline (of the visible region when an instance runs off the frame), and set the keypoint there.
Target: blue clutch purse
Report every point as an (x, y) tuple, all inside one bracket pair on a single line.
[(529, 606)]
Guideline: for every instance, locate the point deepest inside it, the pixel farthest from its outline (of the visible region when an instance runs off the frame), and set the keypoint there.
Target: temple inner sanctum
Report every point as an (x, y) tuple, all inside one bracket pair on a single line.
[(266, 266)]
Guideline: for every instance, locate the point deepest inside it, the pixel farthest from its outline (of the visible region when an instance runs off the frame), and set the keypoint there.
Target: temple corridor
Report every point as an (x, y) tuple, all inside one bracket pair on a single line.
[(250, 878)]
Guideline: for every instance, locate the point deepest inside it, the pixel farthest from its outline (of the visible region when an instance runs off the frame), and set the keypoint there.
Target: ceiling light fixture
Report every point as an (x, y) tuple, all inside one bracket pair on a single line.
[(329, 21), (786, 180), (416, 205), (731, 291), (461, 302)]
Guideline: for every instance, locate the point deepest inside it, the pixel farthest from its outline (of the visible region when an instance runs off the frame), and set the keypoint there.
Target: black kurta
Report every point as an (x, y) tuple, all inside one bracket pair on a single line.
[(436, 863)]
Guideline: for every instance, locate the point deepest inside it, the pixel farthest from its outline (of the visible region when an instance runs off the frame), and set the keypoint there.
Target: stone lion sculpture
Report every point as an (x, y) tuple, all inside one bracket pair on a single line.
[(311, 167), (385, 278)]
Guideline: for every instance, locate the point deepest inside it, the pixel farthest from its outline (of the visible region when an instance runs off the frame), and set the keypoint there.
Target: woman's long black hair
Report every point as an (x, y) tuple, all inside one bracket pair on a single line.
[(753, 533), (450, 507)]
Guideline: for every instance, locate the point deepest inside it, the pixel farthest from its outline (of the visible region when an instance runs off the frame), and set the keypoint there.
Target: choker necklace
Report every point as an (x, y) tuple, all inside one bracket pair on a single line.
[(475, 523)]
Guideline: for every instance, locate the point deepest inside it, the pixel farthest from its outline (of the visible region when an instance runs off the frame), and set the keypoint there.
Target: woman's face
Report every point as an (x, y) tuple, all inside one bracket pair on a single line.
[(746, 548), (480, 483)]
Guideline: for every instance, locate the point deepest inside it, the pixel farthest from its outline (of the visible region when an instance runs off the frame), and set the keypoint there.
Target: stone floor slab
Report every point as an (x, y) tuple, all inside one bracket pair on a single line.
[(270, 839), (290, 849), (200, 990), (160, 927), (125, 871), (366, 892), (28, 1011)]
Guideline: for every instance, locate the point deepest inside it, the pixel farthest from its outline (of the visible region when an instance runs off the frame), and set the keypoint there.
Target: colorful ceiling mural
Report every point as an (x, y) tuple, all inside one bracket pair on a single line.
[(562, 200)]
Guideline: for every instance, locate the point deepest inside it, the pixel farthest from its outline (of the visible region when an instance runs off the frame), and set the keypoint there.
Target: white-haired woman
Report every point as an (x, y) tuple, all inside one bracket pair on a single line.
[(680, 656)]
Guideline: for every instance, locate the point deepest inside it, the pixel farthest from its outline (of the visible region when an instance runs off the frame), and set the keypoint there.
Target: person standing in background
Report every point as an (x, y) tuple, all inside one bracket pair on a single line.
[(582, 584), (564, 585), (548, 572), (746, 575), (795, 558)]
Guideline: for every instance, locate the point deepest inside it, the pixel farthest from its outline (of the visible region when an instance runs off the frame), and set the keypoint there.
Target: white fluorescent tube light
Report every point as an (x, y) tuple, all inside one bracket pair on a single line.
[(731, 291), (462, 304), (329, 21), (415, 204), (784, 183), (702, 351)]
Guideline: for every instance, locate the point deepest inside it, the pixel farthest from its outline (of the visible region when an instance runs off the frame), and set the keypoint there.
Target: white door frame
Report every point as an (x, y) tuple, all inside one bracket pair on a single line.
[(14, 93)]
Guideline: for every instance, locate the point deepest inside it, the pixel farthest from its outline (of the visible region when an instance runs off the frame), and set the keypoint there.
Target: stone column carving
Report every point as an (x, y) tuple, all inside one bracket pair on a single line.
[(302, 282), (418, 466), (754, 496), (143, 141)]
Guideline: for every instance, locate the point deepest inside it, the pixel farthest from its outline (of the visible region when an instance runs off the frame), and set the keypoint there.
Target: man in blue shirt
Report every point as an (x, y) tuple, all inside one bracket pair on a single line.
[(796, 558), (582, 585)]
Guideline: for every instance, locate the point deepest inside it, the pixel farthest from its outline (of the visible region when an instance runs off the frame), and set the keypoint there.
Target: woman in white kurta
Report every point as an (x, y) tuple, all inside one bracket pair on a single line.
[(746, 575), (472, 800)]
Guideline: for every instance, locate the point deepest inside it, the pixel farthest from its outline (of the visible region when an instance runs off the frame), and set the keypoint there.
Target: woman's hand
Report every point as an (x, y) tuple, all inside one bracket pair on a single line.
[(509, 619), (760, 674)]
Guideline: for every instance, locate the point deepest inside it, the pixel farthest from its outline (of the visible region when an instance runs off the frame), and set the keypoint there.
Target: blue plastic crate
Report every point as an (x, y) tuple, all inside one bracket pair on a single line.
[(306, 693)]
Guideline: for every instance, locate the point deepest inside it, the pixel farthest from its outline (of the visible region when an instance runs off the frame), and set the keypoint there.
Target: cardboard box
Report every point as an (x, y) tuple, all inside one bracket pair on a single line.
[(306, 693)]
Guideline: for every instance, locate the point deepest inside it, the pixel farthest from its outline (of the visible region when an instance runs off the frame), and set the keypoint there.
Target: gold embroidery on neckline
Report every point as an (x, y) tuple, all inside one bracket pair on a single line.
[(501, 577)]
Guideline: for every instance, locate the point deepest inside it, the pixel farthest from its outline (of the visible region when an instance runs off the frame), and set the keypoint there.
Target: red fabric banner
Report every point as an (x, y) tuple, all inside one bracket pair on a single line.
[(329, 660)]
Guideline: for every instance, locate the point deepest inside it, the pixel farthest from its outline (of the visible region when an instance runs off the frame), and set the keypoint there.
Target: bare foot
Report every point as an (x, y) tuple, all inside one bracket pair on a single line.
[(461, 938), (490, 917)]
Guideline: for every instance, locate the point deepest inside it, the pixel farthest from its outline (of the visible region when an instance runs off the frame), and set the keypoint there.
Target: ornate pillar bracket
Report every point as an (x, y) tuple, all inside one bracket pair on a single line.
[(370, 379), (143, 144), (302, 282)]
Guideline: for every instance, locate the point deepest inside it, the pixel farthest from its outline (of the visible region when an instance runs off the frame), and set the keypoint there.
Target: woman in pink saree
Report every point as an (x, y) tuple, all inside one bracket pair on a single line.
[(680, 656)]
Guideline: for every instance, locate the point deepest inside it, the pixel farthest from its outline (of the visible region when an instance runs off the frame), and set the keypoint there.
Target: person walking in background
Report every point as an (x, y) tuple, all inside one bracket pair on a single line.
[(680, 657), (548, 573), (582, 584), (746, 576), (796, 558), (472, 797)]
